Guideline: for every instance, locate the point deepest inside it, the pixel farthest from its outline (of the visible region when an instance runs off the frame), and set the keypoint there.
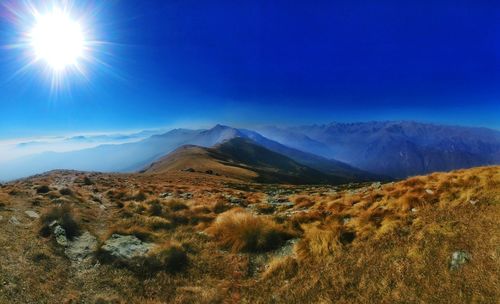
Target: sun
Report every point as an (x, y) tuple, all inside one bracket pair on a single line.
[(57, 40)]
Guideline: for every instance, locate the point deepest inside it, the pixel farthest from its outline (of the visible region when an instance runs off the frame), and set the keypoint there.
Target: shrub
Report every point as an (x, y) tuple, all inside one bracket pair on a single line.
[(87, 181), (240, 231), (220, 207), (64, 217), (140, 196), (170, 258), (176, 205), (155, 208), (43, 189), (66, 191)]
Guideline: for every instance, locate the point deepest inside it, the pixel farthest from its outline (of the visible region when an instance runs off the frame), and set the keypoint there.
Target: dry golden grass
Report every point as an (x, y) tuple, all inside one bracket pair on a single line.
[(360, 244), (241, 231)]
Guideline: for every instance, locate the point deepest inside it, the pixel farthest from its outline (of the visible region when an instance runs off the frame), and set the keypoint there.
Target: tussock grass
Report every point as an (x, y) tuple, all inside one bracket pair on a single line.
[(241, 231), (64, 216), (42, 189)]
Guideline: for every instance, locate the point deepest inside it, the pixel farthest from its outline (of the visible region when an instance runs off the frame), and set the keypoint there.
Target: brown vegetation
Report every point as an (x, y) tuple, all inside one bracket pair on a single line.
[(220, 242)]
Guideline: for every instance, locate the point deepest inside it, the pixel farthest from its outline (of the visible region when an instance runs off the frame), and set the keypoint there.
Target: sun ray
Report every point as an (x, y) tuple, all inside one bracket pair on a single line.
[(57, 38)]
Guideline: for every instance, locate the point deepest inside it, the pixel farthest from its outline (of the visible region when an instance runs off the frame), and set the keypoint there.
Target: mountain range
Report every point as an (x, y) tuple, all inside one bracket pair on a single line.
[(396, 149), (332, 153)]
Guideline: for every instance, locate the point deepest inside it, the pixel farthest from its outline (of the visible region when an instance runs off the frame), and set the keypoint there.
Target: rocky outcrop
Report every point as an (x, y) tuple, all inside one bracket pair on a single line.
[(125, 247), (82, 247)]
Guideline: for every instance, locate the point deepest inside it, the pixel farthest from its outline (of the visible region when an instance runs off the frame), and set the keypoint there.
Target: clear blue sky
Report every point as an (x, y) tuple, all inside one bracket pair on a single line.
[(193, 62)]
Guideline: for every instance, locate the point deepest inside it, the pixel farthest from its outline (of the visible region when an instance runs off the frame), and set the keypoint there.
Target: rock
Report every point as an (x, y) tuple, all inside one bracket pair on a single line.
[(346, 220), (376, 185), (14, 221), (81, 247), (429, 191), (414, 210), (60, 235), (286, 249), (459, 258), (280, 201), (186, 195), (166, 194), (234, 200), (1, 217), (126, 246), (188, 170), (473, 202), (32, 214)]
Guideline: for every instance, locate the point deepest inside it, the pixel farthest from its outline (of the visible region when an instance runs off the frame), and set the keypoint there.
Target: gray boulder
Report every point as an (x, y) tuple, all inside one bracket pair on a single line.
[(60, 235), (32, 214), (81, 247), (14, 221), (458, 258), (126, 246)]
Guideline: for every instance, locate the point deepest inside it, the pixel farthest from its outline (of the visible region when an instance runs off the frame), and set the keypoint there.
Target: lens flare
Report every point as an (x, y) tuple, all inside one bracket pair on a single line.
[(57, 40)]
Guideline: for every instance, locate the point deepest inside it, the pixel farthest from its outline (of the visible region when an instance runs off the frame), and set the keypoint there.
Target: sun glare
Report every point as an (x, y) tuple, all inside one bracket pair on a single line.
[(57, 40)]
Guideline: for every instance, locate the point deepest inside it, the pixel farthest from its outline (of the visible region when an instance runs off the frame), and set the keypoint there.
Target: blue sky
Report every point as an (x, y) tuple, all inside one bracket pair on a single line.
[(196, 63)]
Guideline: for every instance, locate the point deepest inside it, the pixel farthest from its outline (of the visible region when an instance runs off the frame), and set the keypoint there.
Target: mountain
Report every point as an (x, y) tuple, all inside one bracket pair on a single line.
[(397, 149), (243, 159), (136, 156)]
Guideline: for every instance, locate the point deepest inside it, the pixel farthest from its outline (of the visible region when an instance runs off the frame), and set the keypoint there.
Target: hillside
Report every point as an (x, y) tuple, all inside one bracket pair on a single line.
[(183, 237), (245, 160), (201, 160)]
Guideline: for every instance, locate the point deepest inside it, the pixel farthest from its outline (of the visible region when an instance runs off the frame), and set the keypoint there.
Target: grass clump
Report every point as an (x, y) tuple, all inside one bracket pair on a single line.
[(170, 257), (87, 181), (176, 205), (42, 189), (155, 208), (66, 191), (63, 216), (241, 231)]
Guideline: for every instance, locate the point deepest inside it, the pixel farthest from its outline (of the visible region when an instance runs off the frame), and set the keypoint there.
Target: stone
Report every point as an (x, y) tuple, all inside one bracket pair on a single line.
[(126, 246), (458, 258), (82, 247), (1, 217), (14, 221), (186, 195), (166, 194), (429, 191), (234, 200), (376, 185), (32, 214), (188, 170), (60, 235), (473, 202)]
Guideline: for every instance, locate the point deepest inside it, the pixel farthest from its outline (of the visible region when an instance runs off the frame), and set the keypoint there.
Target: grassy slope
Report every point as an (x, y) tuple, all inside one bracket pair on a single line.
[(388, 244), (242, 159)]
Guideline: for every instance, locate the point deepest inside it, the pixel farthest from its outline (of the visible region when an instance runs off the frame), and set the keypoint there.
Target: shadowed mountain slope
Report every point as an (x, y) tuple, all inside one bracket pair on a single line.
[(397, 149), (243, 159)]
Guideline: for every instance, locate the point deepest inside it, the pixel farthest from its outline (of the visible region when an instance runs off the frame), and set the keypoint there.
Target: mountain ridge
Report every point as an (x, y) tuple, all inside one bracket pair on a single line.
[(246, 156)]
